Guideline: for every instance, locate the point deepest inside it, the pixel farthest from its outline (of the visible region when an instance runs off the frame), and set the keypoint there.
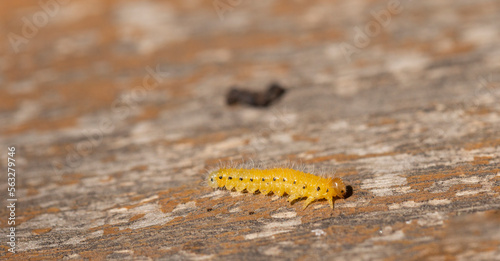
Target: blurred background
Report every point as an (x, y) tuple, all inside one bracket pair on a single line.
[(114, 102)]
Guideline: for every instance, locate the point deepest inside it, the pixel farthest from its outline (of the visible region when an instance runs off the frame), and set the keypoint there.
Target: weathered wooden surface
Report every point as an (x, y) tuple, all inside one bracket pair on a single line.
[(112, 166)]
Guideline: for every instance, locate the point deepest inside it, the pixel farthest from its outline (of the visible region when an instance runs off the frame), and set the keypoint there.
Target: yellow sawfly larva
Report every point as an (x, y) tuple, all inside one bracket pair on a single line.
[(295, 183)]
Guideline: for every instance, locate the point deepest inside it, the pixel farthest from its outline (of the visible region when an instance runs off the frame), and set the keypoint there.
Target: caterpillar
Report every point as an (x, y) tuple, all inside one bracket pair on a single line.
[(296, 184)]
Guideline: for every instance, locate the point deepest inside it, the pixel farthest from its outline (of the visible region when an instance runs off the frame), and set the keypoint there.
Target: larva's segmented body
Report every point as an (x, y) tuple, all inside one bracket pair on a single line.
[(294, 183)]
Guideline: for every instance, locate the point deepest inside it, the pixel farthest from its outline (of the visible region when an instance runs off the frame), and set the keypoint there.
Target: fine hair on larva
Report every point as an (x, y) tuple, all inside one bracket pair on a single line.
[(290, 179)]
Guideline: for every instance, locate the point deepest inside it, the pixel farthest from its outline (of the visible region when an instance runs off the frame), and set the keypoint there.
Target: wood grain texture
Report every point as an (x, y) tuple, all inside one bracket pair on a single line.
[(117, 111)]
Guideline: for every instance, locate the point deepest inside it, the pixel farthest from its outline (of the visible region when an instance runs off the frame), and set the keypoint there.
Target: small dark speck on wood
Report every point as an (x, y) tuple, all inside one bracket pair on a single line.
[(255, 99)]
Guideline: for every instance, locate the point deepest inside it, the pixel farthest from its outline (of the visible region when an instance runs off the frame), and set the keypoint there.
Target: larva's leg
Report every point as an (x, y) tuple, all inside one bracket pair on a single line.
[(251, 190), (330, 201), (308, 201), (293, 197), (240, 188)]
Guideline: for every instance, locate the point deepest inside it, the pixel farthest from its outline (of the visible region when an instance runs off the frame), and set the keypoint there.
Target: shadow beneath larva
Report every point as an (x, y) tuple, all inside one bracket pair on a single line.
[(348, 193)]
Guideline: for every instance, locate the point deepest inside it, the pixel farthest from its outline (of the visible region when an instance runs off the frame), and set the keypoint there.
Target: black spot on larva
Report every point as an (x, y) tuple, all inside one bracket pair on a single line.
[(326, 190), (284, 179), (274, 179), (209, 209), (241, 178), (318, 189), (251, 179), (212, 179), (263, 179), (251, 213), (294, 181), (304, 187), (220, 177), (230, 178)]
